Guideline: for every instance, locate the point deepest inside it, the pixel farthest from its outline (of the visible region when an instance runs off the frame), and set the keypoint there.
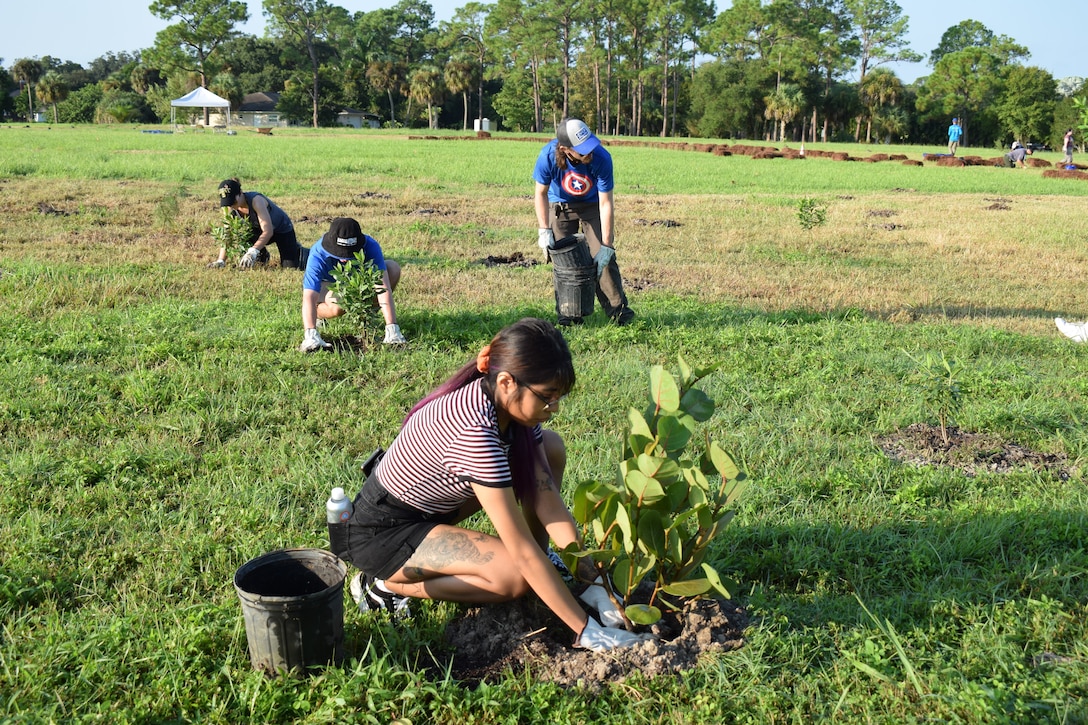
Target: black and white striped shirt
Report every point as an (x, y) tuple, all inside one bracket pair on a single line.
[(449, 444)]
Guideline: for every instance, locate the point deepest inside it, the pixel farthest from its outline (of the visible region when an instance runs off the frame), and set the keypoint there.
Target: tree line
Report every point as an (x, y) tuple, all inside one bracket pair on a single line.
[(783, 71)]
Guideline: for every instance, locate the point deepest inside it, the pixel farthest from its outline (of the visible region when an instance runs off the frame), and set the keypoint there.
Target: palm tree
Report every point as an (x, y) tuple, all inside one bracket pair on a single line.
[(28, 70), (783, 106), (460, 77), (426, 87), (879, 89), (52, 90), (388, 76)]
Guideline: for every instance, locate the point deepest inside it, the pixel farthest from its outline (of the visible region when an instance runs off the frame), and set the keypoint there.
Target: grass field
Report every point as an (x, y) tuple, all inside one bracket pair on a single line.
[(160, 429)]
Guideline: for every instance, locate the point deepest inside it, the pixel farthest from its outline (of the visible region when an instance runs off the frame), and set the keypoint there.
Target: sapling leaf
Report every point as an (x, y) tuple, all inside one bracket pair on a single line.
[(642, 613), (651, 533), (696, 404), (685, 371), (739, 484), (688, 588), (724, 586), (623, 523), (663, 391), (672, 432), (723, 463), (639, 426), (642, 487), (676, 494), (664, 470)]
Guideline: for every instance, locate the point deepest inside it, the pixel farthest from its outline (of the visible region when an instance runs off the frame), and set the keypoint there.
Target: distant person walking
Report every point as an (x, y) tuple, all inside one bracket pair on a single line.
[(1067, 147), (955, 131)]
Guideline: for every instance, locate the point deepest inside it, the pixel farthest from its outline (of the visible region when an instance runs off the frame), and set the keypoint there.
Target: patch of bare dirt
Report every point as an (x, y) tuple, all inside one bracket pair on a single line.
[(881, 212), (922, 444), (640, 284), (489, 642), (373, 195), (655, 222), (49, 210), (517, 259), (888, 227), (430, 212), (998, 206)]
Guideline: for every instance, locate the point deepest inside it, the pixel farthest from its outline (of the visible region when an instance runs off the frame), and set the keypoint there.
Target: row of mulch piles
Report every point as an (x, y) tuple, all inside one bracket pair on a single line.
[(771, 152), (1065, 174)]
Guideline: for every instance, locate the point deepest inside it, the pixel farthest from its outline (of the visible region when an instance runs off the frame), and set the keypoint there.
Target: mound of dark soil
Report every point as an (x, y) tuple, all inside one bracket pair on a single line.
[(921, 444), (655, 222), (517, 259), (489, 642)]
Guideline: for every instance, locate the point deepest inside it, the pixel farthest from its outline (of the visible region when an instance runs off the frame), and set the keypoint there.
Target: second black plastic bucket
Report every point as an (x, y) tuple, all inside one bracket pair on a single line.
[(293, 604), (575, 275)]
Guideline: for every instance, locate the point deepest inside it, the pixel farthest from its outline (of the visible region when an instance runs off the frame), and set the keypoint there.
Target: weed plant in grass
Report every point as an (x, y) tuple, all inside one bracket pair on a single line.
[(158, 428)]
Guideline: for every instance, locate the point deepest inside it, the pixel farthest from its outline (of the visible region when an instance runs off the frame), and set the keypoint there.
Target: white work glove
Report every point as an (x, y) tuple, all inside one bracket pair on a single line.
[(249, 258), (217, 264), (545, 239), (598, 639), (596, 597), (312, 341), (393, 335)]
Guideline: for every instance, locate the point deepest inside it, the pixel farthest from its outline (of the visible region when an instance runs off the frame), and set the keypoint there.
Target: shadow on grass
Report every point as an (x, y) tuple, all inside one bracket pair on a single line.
[(812, 573)]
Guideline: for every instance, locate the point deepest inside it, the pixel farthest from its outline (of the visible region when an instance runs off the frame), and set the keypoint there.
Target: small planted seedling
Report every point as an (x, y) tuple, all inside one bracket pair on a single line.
[(811, 213), (234, 234), (940, 380), (668, 502), (356, 286)]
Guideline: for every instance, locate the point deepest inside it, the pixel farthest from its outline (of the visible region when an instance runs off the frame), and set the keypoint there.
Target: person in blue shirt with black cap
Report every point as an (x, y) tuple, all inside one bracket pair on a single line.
[(338, 246), (955, 131), (574, 186)]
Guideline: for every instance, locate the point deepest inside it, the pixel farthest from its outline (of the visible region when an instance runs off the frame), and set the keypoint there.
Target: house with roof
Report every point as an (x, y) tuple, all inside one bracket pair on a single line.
[(259, 109), (358, 119)]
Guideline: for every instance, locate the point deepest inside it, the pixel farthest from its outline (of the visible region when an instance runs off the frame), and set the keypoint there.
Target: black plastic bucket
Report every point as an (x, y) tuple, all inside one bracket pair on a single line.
[(293, 603), (575, 275)]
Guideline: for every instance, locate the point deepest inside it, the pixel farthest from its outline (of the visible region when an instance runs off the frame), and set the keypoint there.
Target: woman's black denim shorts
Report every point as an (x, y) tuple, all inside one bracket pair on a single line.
[(383, 531)]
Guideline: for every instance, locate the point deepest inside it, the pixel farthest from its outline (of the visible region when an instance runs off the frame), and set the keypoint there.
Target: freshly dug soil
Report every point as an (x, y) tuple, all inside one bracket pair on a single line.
[(921, 444), (491, 641)]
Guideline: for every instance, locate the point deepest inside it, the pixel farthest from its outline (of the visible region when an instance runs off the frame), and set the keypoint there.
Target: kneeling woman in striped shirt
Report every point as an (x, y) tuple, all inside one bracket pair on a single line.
[(477, 442)]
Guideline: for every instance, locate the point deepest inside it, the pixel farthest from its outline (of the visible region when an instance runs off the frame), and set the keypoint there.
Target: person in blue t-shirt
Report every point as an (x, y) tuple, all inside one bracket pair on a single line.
[(955, 131), (270, 225), (574, 185), (339, 245)]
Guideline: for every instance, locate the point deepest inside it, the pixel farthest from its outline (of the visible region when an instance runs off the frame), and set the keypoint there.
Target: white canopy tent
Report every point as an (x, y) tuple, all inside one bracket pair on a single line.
[(201, 97)]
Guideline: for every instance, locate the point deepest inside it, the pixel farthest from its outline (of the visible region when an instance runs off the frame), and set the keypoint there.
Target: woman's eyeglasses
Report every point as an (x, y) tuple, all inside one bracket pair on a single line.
[(549, 403)]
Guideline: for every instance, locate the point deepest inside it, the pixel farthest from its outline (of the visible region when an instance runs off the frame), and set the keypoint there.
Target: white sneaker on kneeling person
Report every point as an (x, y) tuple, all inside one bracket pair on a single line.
[(1075, 331)]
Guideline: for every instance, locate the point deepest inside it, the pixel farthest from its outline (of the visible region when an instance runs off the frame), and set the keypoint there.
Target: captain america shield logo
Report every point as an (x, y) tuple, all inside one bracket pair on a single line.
[(577, 184)]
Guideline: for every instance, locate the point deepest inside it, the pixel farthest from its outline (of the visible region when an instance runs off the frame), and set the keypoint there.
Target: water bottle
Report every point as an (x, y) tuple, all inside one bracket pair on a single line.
[(338, 507)]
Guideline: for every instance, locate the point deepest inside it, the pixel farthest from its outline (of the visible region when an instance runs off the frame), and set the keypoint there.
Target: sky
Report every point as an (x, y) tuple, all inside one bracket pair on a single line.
[(80, 31)]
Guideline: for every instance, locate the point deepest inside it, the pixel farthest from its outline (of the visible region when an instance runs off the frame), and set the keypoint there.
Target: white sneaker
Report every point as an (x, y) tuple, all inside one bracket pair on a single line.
[(312, 341), (371, 596), (1077, 332)]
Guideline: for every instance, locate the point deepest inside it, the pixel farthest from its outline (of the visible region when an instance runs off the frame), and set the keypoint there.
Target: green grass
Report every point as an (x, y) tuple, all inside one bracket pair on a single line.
[(159, 429)]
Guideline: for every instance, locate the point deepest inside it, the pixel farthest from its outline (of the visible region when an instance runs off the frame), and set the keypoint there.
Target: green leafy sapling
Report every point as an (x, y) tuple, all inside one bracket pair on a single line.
[(940, 380), (811, 213), (233, 234), (356, 286), (669, 501)]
